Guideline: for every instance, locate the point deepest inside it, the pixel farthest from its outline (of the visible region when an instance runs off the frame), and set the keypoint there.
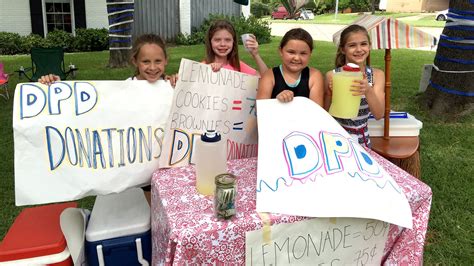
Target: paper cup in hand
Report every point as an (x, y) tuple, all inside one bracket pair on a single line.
[(245, 37)]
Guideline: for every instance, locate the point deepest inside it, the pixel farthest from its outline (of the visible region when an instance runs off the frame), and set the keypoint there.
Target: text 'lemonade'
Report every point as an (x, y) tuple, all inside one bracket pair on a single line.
[(344, 104), (211, 160)]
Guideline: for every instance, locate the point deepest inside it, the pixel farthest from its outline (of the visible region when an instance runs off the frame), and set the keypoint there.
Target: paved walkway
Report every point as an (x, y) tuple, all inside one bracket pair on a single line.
[(417, 17), (324, 32)]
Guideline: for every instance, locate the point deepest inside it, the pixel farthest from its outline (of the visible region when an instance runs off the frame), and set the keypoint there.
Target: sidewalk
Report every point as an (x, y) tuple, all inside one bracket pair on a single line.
[(417, 17)]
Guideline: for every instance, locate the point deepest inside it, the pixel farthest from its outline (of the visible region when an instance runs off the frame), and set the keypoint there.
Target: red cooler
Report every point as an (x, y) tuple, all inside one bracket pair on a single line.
[(36, 238)]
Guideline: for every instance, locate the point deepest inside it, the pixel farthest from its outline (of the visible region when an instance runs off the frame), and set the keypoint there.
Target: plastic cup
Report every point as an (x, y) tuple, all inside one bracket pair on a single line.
[(245, 37)]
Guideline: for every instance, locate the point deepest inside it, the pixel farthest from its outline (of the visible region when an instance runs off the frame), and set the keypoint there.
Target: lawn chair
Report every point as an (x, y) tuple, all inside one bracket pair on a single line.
[(47, 61), (4, 82)]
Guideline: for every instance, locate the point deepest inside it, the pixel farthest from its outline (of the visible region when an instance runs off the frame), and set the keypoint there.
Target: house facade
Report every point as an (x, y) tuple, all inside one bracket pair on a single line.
[(41, 16), (167, 18), (415, 5), (164, 17)]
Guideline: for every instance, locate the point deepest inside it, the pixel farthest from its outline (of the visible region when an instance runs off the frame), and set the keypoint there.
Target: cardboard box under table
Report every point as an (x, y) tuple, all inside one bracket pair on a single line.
[(35, 238), (119, 230)]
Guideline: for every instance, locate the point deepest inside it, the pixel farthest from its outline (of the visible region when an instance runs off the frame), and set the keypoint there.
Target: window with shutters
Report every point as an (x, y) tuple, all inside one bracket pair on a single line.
[(58, 15)]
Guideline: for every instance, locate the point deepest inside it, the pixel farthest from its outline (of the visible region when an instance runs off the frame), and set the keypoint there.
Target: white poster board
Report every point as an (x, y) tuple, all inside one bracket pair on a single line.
[(308, 165), (319, 241), (74, 139), (203, 99)]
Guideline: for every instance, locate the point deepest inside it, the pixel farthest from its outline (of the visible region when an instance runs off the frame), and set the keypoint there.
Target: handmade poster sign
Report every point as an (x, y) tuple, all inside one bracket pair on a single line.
[(203, 99), (74, 139), (308, 165), (319, 241)]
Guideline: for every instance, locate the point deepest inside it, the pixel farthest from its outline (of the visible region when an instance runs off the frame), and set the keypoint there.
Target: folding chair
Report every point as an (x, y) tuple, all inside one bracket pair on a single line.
[(47, 61), (4, 82)]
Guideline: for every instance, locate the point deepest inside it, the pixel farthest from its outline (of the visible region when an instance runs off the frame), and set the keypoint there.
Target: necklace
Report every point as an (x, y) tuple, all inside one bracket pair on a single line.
[(291, 85)]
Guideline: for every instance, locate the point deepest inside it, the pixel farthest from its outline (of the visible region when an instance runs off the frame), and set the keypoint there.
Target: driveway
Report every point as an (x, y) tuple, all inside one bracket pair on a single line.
[(324, 32)]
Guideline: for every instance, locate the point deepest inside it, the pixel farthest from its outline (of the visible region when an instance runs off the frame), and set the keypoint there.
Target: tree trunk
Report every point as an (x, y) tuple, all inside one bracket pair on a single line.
[(120, 32), (450, 93), (373, 6)]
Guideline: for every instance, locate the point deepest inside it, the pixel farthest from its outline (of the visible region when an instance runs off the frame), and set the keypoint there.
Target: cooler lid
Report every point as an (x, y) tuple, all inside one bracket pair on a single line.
[(120, 214), (35, 232), (397, 121)]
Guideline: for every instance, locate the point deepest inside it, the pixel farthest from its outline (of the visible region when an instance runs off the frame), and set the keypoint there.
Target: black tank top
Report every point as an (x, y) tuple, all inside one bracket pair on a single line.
[(280, 85)]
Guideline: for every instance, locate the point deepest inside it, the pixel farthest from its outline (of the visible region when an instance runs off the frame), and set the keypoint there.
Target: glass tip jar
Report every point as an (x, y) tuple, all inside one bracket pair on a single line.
[(225, 196)]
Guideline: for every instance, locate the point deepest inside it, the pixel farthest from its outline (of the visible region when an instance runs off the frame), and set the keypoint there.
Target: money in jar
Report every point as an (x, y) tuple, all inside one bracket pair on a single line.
[(225, 196)]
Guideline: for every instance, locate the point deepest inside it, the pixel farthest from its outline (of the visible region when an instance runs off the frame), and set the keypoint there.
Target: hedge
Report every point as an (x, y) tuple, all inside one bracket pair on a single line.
[(260, 29), (84, 41)]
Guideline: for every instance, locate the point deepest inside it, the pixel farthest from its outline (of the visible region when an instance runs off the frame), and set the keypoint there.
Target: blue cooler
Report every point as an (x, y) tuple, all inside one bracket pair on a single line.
[(119, 230)]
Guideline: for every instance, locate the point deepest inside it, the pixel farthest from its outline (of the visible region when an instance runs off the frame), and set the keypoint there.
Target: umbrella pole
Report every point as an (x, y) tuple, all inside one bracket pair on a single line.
[(388, 85)]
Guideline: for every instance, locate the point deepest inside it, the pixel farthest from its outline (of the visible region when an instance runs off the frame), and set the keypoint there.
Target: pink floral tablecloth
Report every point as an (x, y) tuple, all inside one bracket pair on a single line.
[(185, 230)]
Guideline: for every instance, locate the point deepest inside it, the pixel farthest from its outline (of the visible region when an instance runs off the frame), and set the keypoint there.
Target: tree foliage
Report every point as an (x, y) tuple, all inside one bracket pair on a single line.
[(324, 6), (293, 6)]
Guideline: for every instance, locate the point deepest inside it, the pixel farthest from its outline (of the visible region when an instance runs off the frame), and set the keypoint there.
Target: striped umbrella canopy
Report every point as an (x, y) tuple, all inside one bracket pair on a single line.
[(389, 33)]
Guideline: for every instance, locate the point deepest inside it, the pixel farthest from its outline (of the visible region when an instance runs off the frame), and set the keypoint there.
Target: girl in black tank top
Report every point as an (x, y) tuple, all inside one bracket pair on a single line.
[(293, 77), (300, 88)]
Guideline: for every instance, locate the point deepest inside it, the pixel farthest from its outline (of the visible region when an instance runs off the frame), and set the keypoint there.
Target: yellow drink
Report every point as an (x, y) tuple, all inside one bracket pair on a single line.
[(211, 160), (344, 104)]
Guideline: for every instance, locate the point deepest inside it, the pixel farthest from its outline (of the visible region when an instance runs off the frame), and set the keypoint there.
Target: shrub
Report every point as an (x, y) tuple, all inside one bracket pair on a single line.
[(59, 38), (323, 6), (361, 5), (259, 9), (197, 36), (182, 39), (91, 40), (10, 43), (311, 5), (30, 41), (260, 29), (85, 40), (343, 4)]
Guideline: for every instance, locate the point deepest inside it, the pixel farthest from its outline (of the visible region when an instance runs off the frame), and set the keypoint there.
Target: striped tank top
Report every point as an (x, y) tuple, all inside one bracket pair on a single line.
[(357, 127)]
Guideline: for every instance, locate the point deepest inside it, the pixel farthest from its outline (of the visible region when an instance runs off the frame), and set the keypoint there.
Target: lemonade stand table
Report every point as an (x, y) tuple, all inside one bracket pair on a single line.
[(185, 230)]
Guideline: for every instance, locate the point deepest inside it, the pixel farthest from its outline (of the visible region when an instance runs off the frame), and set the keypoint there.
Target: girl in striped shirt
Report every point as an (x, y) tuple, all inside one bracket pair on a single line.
[(354, 47)]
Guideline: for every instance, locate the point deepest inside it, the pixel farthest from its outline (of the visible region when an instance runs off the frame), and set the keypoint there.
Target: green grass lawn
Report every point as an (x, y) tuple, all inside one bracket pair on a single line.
[(428, 21), (346, 19), (447, 156)]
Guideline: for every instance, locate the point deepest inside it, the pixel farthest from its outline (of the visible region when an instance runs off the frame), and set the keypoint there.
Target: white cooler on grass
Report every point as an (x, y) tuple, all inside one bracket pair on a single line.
[(119, 230), (401, 125)]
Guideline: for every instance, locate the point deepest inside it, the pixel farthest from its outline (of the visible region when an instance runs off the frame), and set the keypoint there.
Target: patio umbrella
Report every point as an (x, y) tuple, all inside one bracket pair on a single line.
[(389, 33)]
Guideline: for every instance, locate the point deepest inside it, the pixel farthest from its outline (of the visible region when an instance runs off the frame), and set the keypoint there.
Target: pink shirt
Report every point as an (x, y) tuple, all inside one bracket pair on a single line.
[(244, 68)]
